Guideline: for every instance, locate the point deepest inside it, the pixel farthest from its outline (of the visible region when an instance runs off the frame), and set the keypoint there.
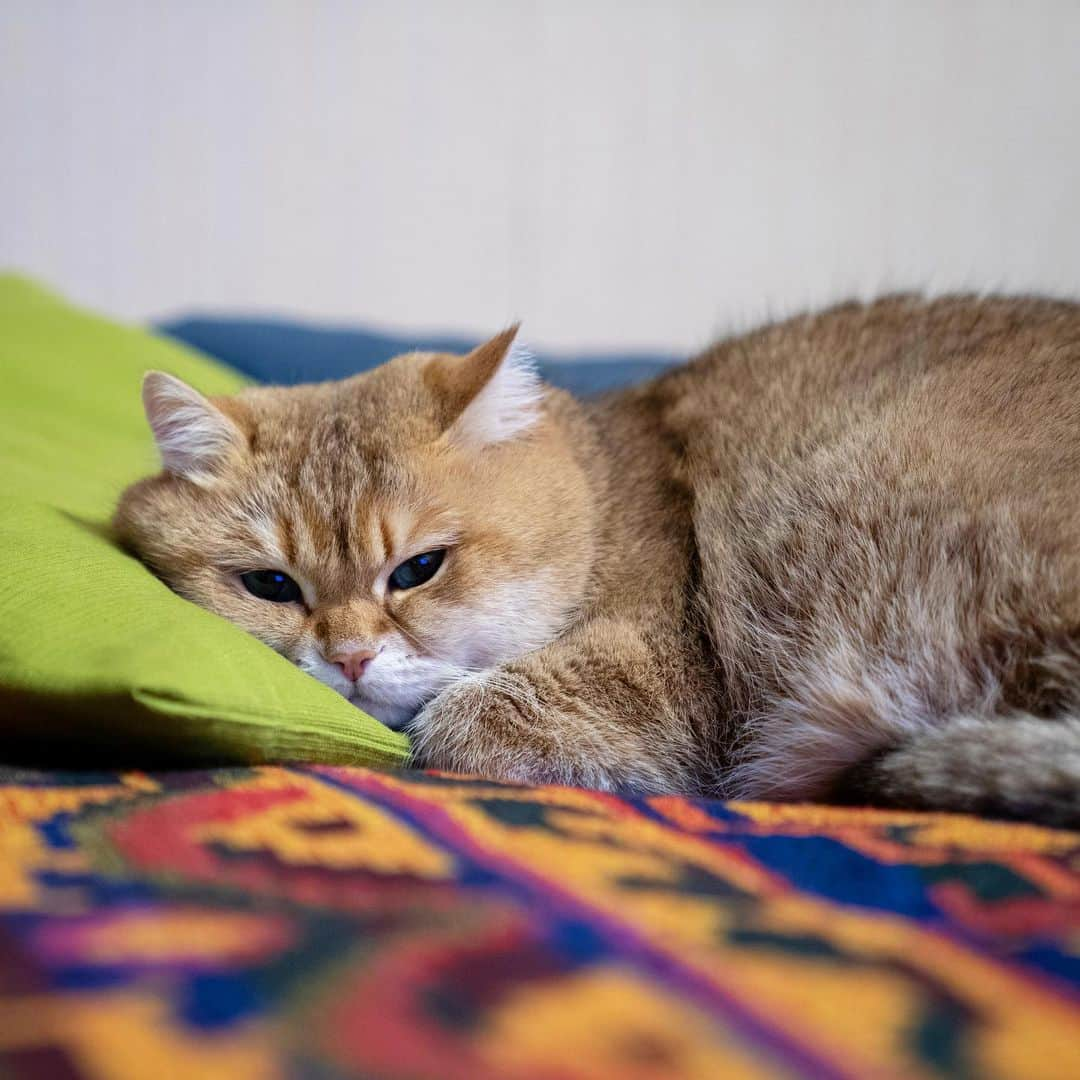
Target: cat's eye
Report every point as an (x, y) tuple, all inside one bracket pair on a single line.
[(417, 570), (272, 585)]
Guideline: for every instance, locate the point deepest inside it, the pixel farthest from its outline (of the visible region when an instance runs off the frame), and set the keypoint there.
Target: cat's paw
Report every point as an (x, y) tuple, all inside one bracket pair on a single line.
[(493, 725)]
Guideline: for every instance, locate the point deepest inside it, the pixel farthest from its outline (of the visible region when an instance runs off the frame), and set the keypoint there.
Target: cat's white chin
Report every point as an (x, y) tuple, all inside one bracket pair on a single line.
[(413, 685), (394, 717)]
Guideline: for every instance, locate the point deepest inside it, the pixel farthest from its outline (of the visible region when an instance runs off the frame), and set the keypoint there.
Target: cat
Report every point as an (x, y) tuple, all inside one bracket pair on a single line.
[(837, 558)]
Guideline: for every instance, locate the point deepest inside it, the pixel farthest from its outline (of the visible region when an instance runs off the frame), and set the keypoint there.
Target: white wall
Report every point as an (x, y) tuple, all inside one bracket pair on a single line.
[(613, 172)]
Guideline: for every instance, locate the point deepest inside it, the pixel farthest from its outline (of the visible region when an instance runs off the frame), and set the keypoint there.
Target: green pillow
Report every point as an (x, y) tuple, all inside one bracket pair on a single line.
[(98, 659)]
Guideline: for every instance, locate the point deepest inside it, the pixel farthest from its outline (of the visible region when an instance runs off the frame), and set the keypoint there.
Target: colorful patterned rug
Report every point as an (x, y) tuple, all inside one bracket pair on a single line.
[(326, 922)]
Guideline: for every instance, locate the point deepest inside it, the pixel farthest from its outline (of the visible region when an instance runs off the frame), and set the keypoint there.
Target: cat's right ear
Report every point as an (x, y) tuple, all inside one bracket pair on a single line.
[(192, 434), (490, 395)]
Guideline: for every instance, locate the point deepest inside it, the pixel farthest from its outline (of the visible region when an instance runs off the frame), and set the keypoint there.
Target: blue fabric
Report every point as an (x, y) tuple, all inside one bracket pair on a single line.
[(283, 352)]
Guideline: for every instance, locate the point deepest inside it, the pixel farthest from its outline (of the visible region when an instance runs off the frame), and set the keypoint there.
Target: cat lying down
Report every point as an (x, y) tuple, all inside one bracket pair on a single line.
[(837, 558)]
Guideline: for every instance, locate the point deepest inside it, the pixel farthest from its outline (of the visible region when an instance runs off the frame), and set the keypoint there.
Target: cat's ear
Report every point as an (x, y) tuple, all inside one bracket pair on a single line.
[(492, 394), (193, 435)]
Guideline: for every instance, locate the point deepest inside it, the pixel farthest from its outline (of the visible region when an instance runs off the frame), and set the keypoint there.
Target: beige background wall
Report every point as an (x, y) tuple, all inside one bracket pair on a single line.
[(634, 173)]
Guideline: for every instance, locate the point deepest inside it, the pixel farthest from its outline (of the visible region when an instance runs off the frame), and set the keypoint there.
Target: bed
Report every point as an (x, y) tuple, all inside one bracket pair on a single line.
[(200, 880)]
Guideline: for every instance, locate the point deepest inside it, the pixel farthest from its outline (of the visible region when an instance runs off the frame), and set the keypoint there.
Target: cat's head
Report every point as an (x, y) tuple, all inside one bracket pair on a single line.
[(387, 533)]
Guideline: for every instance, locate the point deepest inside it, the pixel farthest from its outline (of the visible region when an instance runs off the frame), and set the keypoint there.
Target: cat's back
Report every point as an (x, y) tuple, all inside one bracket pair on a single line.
[(994, 361), (979, 397)]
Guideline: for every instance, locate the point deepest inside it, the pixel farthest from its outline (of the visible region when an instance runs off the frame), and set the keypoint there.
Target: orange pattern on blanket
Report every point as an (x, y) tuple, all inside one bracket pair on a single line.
[(251, 923)]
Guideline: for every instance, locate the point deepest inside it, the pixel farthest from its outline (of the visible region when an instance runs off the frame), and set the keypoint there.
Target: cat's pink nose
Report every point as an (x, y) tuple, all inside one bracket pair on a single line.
[(353, 664)]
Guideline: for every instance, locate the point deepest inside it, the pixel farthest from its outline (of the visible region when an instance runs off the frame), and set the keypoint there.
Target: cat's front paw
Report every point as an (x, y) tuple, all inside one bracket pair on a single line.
[(493, 725)]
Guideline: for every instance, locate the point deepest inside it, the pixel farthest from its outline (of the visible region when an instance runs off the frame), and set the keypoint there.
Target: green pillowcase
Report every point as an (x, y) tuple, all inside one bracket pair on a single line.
[(99, 661)]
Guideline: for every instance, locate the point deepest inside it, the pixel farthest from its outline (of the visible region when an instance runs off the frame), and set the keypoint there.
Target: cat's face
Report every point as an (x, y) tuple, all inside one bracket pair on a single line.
[(388, 533)]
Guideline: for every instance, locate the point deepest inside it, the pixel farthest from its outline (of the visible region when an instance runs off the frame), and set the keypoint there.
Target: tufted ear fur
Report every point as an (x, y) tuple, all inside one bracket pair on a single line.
[(493, 394), (193, 435)]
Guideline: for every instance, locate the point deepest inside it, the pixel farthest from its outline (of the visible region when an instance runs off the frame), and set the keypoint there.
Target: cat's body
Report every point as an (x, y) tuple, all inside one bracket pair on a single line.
[(836, 558)]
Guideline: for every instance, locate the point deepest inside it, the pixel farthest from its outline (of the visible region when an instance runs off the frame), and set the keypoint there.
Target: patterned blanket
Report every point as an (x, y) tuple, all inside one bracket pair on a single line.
[(327, 922)]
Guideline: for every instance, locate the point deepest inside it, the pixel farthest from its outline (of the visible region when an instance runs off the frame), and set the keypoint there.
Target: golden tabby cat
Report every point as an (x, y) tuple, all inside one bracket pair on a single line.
[(837, 558)]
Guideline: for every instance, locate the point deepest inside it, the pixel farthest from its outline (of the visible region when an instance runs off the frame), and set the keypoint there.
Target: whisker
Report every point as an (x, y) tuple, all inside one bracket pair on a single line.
[(427, 648)]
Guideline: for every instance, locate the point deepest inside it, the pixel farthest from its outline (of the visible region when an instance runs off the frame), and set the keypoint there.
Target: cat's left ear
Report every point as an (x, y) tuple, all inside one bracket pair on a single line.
[(492, 394), (193, 435)]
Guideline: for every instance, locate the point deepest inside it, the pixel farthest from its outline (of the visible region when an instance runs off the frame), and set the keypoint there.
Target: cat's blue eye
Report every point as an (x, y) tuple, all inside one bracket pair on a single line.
[(272, 585), (417, 570)]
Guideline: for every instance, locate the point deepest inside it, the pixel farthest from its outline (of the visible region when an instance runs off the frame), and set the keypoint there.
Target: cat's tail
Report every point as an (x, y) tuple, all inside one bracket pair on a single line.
[(1017, 767)]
